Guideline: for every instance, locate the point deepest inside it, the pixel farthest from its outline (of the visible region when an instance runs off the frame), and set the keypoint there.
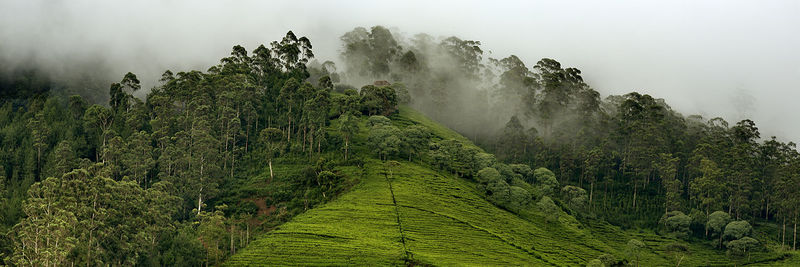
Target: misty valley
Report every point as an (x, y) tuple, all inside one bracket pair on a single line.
[(401, 149)]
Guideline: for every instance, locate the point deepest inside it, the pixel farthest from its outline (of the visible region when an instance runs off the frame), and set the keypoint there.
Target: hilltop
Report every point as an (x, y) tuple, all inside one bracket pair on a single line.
[(411, 213)]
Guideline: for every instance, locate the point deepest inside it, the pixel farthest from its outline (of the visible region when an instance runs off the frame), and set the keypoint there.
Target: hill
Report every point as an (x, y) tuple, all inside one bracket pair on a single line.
[(410, 213)]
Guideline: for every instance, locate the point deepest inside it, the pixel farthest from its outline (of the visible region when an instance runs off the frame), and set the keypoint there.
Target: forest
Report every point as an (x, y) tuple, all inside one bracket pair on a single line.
[(209, 160)]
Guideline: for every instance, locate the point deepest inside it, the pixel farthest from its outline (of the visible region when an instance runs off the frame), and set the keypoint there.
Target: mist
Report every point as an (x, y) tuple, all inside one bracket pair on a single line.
[(732, 59)]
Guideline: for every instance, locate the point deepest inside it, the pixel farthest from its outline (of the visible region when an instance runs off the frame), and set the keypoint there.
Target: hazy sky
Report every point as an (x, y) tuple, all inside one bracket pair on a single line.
[(733, 59)]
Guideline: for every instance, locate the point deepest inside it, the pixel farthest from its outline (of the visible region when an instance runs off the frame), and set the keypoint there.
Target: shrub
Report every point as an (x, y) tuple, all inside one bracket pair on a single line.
[(378, 120), (518, 198), (595, 263), (677, 223), (737, 229), (545, 181), (575, 197), (742, 246), (717, 222), (549, 208), (633, 249), (487, 175)]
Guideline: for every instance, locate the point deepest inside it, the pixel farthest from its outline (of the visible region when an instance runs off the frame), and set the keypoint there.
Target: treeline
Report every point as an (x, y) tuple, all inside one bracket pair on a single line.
[(160, 181), (638, 160)]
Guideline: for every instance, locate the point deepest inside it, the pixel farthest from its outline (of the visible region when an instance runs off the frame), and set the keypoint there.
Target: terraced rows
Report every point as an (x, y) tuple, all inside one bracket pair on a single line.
[(444, 221), (358, 228)]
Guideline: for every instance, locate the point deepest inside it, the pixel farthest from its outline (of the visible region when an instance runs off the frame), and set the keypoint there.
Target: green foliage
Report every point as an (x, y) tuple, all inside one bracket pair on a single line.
[(576, 198), (742, 246), (677, 223), (634, 250), (385, 140), (736, 230), (595, 263), (550, 210), (378, 120), (378, 100), (717, 221), (545, 181), (488, 175)]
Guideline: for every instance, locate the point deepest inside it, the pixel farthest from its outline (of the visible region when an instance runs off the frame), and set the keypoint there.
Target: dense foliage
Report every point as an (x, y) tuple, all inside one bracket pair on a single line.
[(159, 182), (638, 162), (187, 175)]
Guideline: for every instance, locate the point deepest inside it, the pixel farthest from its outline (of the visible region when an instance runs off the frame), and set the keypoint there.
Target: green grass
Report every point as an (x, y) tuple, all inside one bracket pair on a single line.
[(414, 214)]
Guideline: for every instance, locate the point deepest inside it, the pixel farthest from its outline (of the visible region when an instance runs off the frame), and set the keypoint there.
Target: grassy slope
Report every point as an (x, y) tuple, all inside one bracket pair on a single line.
[(413, 212)]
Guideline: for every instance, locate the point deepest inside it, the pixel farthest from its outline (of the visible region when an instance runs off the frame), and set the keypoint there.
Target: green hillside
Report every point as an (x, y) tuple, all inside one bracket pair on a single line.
[(413, 214)]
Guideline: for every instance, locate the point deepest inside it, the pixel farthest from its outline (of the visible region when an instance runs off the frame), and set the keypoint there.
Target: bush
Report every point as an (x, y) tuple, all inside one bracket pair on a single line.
[(737, 230), (717, 222), (742, 246), (545, 181), (549, 208), (524, 170), (633, 249), (487, 175), (483, 160), (507, 172), (609, 260), (498, 192), (595, 263), (677, 223), (575, 197), (378, 120), (518, 199)]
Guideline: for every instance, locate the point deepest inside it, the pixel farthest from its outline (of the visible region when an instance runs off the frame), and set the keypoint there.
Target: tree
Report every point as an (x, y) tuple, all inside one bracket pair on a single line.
[(415, 140), (63, 159), (548, 208), (385, 141), (43, 238), (99, 120), (634, 249), (513, 140), (742, 246), (709, 187), (677, 223), (717, 223), (348, 125), (519, 198), (546, 181), (211, 232), (288, 95), (378, 120), (39, 134), (591, 168), (673, 189), (139, 157), (272, 140), (575, 197), (488, 175), (377, 100), (736, 230), (595, 263), (293, 52)]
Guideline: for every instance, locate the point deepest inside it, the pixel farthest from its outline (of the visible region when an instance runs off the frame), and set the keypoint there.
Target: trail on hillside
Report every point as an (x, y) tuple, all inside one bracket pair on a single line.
[(399, 223)]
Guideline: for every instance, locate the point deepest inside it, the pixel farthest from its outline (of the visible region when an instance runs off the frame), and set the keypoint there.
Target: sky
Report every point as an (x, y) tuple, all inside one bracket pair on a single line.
[(734, 59)]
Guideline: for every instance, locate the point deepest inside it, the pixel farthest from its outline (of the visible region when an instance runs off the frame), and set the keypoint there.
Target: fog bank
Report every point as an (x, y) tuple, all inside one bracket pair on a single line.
[(733, 59)]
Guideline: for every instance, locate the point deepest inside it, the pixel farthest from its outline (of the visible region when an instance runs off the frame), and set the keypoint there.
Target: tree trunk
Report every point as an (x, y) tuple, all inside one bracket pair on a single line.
[(766, 214), (591, 193), (346, 146), (634, 194), (271, 176), (783, 239), (199, 202), (794, 240), (707, 210)]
